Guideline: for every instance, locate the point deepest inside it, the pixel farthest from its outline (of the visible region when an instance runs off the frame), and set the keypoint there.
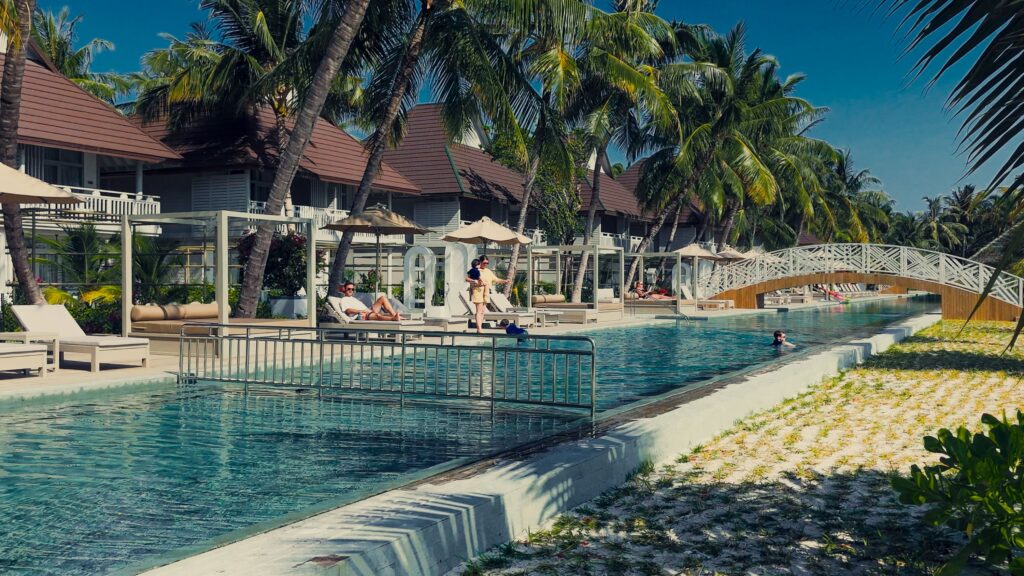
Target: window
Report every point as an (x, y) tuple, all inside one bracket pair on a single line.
[(63, 167)]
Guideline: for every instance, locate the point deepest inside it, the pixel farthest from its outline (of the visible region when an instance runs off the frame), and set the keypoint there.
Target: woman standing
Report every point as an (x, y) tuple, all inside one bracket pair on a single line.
[(480, 293)]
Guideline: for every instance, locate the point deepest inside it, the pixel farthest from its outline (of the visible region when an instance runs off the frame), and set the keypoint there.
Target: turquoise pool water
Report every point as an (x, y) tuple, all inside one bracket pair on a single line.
[(116, 482)]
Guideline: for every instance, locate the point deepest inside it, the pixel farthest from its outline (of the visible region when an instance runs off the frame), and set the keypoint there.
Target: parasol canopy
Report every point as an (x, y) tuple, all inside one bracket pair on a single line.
[(695, 251), (378, 220), (16, 187), (487, 231)]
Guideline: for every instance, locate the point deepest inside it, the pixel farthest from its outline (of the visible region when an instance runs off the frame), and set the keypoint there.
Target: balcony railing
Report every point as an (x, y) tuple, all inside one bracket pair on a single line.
[(322, 217), (99, 205)]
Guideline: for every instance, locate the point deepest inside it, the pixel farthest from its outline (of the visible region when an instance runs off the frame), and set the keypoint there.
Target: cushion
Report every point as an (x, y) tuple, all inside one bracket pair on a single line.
[(47, 318), (197, 311), (12, 349), (104, 341)]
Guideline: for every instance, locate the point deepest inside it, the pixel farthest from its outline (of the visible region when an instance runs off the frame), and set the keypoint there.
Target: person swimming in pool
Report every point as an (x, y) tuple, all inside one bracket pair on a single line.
[(779, 340)]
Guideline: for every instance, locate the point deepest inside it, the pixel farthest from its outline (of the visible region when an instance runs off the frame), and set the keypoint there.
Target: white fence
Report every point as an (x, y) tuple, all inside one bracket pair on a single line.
[(899, 261)]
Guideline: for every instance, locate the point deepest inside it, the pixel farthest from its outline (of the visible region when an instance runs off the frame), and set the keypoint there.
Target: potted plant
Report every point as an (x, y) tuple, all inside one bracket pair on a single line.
[(285, 275)]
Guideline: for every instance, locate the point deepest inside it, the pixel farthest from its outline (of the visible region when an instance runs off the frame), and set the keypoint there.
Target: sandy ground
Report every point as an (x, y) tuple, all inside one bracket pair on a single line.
[(800, 489)]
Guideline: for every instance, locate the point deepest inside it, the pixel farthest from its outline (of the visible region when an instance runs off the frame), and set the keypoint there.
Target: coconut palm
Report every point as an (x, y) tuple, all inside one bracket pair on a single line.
[(937, 228), (721, 131), (16, 24), (56, 35), (471, 76)]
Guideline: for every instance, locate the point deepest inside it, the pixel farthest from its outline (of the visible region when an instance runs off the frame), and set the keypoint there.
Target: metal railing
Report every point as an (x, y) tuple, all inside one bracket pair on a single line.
[(322, 217), (556, 371), (902, 261)]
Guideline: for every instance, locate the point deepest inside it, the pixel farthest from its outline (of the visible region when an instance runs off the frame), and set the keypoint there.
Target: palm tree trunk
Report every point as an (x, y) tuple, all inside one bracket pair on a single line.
[(378, 144), (310, 111), (676, 203), (799, 230), (524, 208), (727, 224), (10, 114), (281, 141), (671, 238), (588, 231), (652, 233)]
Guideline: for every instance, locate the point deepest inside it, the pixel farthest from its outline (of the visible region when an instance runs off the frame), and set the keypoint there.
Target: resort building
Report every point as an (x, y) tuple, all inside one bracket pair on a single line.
[(69, 138), (228, 165)]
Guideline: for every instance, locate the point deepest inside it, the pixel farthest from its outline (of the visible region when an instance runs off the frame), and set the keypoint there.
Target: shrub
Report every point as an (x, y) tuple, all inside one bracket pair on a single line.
[(977, 488), (286, 262)]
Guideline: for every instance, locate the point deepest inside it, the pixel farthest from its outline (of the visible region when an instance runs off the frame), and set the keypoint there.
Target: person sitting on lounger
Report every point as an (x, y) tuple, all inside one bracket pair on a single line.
[(356, 310), (644, 294)]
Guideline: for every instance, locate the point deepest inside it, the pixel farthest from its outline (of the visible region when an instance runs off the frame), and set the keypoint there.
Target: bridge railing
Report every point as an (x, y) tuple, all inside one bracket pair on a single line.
[(897, 261)]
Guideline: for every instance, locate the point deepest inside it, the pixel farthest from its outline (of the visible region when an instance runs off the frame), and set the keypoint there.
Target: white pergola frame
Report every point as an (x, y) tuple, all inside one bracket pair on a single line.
[(677, 283), (221, 220), (594, 250)]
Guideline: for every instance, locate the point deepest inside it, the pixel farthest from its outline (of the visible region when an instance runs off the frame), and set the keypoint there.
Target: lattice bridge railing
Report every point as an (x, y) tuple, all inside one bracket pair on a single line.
[(896, 261)]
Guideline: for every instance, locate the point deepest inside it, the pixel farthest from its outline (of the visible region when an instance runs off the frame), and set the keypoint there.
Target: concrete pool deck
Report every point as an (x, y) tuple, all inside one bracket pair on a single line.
[(433, 527)]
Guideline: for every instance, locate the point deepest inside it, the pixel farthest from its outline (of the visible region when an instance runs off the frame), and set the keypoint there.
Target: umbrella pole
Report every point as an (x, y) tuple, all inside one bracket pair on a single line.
[(378, 265), (696, 298)]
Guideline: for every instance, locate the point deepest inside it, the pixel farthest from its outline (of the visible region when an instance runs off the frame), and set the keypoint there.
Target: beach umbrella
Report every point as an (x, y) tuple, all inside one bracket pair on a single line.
[(486, 231), (695, 251), (378, 220), (731, 254), (16, 187)]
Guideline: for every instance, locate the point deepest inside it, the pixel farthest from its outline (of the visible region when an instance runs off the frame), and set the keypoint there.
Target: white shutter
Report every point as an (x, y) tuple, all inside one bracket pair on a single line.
[(221, 192), (443, 217)]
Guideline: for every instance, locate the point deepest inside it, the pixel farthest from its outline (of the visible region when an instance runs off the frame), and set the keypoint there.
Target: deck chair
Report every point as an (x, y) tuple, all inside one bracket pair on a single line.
[(688, 300), (100, 349), (23, 357), (520, 318), (336, 315), (501, 303)]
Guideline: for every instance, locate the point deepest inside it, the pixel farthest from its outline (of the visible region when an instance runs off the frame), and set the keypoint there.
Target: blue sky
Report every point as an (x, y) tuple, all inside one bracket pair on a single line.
[(899, 131)]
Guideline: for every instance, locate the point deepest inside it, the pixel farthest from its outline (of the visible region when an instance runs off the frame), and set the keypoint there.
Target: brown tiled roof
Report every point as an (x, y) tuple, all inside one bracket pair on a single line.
[(807, 239), (332, 154), (426, 157), (57, 113), (614, 197), (630, 179)]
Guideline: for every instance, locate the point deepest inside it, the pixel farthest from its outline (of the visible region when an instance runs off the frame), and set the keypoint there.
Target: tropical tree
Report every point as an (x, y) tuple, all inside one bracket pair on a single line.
[(446, 40), (56, 35), (937, 228), (615, 97), (720, 132), (16, 23), (344, 28)]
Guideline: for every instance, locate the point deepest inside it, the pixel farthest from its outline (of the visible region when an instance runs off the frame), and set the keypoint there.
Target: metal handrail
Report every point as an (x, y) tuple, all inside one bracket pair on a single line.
[(537, 370)]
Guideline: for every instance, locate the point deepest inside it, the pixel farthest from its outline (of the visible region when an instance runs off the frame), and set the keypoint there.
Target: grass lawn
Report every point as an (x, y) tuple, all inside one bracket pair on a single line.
[(802, 488)]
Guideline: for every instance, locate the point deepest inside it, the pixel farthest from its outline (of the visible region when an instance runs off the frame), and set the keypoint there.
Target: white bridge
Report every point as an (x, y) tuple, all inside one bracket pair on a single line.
[(950, 276)]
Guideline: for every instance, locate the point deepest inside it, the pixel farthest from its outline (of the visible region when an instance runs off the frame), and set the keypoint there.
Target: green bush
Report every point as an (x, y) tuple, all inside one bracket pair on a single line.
[(286, 262), (977, 488)]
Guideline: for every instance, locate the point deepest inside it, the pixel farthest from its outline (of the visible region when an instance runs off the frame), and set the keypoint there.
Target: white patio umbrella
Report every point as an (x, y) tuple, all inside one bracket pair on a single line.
[(378, 220), (695, 251), (486, 231), (731, 254), (16, 187)]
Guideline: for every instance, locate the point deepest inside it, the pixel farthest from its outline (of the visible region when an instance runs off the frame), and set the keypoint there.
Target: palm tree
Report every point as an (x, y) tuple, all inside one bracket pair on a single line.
[(16, 23), (720, 130), (445, 39), (613, 97), (937, 228), (341, 38), (56, 35), (262, 57)]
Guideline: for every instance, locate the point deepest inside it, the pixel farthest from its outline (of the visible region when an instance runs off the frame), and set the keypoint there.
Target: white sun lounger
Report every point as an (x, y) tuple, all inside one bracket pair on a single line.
[(520, 318), (501, 303), (335, 313), (23, 357), (100, 349)]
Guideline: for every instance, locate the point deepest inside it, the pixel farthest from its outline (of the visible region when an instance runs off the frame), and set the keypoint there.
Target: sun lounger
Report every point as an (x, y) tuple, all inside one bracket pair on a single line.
[(500, 303), (100, 349), (339, 319), (520, 318), (688, 300), (23, 357)]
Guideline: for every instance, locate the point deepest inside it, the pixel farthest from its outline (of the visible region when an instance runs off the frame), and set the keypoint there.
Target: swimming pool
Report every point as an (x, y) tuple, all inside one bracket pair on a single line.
[(122, 480)]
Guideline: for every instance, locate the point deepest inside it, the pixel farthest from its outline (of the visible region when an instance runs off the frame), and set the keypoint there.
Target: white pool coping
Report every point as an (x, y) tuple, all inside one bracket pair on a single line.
[(431, 529)]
